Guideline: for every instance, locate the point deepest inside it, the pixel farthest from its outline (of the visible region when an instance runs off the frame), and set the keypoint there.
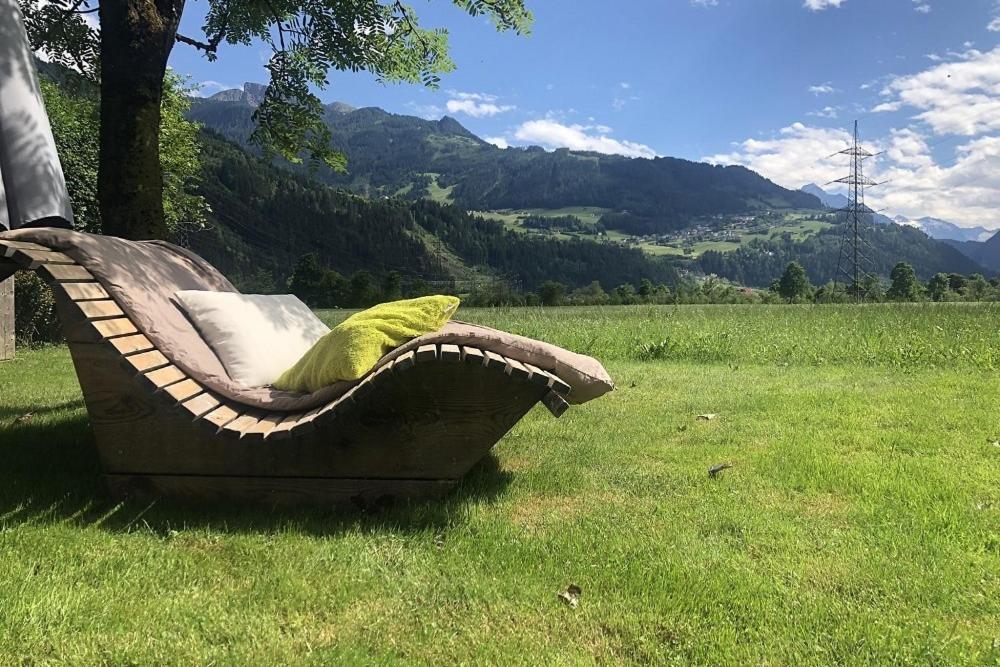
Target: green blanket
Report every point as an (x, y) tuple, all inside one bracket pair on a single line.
[(355, 345)]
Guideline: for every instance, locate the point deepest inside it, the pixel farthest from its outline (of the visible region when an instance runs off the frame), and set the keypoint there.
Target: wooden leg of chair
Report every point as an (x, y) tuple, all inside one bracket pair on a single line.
[(555, 403)]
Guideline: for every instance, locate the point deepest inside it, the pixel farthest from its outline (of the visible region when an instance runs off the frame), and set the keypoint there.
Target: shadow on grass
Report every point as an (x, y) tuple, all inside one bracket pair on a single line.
[(51, 475), (10, 413)]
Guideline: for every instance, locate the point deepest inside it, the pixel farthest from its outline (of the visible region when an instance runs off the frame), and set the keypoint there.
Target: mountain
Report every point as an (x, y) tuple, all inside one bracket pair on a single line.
[(398, 155), (264, 218), (944, 230), (933, 227), (252, 94), (759, 262), (829, 199), (839, 201), (986, 252)]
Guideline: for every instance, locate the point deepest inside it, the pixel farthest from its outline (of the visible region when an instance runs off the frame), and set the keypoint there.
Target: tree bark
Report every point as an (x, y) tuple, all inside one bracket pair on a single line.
[(136, 39)]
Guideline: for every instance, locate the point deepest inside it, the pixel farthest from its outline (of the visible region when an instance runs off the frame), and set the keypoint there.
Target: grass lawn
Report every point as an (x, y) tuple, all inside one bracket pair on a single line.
[(859, 524)]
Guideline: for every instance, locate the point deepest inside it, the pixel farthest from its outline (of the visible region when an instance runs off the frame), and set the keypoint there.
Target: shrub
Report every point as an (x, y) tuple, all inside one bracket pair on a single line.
[(35, 320)]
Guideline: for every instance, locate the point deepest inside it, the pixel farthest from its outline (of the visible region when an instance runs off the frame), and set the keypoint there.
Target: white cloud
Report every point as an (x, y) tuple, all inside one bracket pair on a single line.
[(994, 25), (207, 88), (822, 89), (887, 107), (426, 111), (499, 142), (825, 112), (966, 193), (915, 184), (477, 109), (619, 103), (958, 97), (705, 3), (791, 158), (921, 7), (477, 105), (479, 97), (625, 84), (820, 5), (552, 134)]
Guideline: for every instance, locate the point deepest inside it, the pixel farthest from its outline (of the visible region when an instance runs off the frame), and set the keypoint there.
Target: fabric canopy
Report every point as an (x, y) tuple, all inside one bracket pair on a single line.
[(32, 186)]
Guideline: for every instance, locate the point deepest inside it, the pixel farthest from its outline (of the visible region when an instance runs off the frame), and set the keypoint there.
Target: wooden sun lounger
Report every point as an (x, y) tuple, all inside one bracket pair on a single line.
[(410, 429)]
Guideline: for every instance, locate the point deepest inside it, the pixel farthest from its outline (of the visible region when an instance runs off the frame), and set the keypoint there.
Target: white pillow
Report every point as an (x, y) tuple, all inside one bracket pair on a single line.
[(256, 337)]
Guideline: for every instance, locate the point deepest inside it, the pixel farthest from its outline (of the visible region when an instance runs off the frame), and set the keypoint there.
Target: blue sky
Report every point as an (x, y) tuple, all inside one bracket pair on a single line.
[(767, 83)]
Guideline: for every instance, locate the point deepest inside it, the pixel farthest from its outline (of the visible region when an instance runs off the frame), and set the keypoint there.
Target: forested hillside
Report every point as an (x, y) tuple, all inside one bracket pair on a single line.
[(391, 154), (265, 218), (759, 262), (986, 253)]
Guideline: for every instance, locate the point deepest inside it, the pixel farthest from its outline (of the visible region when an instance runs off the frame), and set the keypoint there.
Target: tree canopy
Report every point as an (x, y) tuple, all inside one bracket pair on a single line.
[(128, 48)]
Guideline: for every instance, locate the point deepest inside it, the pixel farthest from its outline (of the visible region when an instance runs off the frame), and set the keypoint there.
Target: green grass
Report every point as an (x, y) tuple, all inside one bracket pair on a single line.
[(858, 525), (437, 193), (799, 224)]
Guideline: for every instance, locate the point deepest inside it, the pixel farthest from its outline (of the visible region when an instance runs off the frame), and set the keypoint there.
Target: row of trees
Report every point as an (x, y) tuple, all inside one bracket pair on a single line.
[(758, 261), (324, 288), (794, 286)]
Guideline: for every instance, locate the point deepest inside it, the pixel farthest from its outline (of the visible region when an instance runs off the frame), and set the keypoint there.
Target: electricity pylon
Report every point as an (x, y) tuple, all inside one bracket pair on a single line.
[(855, 262)]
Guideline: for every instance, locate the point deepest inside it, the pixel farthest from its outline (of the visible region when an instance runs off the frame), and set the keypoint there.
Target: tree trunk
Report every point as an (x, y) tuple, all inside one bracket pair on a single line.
[(136, 39)]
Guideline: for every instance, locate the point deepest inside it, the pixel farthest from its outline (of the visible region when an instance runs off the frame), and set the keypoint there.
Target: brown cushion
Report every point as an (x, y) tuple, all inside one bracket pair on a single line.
[(143, 277), (585, 375)]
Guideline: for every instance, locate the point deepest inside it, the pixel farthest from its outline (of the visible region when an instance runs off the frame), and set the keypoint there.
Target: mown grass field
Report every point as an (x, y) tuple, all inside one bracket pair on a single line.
[(859, 524)]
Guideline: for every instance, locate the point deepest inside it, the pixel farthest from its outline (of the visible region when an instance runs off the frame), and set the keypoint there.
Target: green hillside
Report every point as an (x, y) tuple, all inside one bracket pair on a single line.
[(390, 154), (760, 261), (986, 252), (265, 218)]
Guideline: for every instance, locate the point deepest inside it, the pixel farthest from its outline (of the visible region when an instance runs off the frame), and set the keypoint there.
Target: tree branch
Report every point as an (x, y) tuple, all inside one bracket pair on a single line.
[(277, 22), (207, 47), (212, 45), (413, 29)]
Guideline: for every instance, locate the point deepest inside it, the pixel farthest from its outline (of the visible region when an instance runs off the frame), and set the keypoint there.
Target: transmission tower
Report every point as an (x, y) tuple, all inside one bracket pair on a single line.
[(855, 263)]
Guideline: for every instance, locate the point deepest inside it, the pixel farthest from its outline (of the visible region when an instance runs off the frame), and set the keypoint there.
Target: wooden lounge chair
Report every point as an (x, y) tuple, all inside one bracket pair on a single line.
[(410, 429)]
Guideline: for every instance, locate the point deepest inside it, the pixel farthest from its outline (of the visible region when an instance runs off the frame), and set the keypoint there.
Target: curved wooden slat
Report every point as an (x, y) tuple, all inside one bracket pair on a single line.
[(221, 416), (162, 377), (66, 273), (284, 428), (425, 353), (242, 424), (473, 355), (263, 428), (516, 369), (200, 405), (85, 291), (147, 361), (183, 390), (131, 344), (100, 310), (32, 259), (121, 326), (494, 360), (8, 248)]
